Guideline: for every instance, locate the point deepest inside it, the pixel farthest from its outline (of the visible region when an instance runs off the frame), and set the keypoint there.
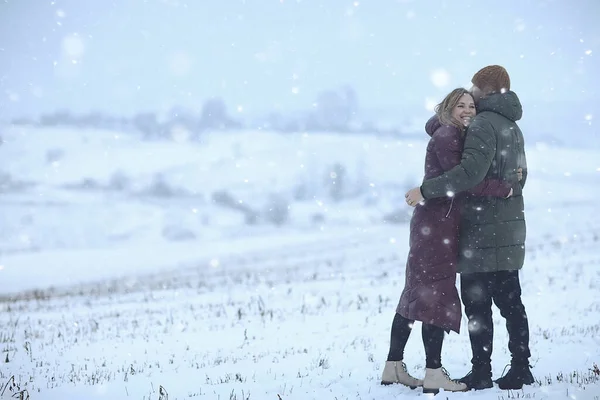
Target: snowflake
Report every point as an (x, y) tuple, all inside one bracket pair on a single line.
[(73, 46), (474, 326), (519, 25), (430, 104), (440, 78), (14, 97)]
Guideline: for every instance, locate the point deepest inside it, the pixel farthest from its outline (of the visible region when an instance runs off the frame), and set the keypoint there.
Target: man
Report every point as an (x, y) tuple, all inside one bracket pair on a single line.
[(492, 237)]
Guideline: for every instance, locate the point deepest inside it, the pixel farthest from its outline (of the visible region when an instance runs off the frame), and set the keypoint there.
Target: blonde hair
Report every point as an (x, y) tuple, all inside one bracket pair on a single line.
[(444, 109)]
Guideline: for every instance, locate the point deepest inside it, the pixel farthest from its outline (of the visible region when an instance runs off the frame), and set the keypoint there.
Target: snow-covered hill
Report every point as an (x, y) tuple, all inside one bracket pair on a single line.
[(120, 273)]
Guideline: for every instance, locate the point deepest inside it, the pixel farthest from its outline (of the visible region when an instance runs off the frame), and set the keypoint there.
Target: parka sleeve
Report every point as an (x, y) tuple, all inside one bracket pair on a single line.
[(448, 151), (477, 156)]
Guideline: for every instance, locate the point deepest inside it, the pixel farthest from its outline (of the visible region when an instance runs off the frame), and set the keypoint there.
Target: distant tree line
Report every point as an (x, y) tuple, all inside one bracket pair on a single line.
[(334, 110)]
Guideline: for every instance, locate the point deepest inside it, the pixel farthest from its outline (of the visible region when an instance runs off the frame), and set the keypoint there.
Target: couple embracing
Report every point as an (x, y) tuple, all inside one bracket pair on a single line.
[(469, 218)]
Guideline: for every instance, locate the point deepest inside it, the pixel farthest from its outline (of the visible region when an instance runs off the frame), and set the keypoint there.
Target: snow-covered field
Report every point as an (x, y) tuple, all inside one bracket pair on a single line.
[(121, 277)]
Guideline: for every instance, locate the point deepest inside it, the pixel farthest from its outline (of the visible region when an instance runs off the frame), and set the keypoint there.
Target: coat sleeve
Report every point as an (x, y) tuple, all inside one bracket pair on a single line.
[(492, 187), (448, 151), (477, 156)]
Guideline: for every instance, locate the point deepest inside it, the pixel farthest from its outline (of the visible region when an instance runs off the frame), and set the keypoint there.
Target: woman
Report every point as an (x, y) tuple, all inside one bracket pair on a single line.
[(430, 293)]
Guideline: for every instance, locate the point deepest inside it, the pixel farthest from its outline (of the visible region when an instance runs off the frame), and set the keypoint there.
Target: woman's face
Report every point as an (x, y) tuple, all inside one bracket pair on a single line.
[(464, 110)]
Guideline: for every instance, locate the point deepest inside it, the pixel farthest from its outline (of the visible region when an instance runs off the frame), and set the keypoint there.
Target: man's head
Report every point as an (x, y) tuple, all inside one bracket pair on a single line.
[(490, 79)]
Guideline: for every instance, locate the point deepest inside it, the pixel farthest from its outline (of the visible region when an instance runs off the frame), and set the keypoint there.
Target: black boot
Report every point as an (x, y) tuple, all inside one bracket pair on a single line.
[(516, 377), (479, 378)]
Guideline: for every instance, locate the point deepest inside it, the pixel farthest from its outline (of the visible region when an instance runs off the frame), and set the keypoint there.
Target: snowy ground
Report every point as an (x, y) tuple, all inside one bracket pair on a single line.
[(120, 276)]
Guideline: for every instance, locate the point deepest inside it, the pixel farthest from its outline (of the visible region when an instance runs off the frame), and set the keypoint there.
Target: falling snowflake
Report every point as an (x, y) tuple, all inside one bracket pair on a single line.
[(474, 326), (14, 97), (73, 46), (425, 230), (430, 104), (519, 25), (440, 78)]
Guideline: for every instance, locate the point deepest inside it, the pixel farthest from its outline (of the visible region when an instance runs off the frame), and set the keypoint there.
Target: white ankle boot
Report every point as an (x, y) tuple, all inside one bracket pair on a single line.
[(395, 372), (436, 379)]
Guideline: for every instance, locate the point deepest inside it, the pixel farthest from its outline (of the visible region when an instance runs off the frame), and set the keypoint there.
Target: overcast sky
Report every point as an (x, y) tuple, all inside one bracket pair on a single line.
[(124, 56)]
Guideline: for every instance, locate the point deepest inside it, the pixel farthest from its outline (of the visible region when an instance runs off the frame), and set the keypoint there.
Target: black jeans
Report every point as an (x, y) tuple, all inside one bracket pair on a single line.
[(433, 337), (478, 290)]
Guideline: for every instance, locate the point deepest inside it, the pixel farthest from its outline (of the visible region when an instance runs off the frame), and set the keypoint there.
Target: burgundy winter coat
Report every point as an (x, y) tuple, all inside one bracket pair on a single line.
[(430, 293)]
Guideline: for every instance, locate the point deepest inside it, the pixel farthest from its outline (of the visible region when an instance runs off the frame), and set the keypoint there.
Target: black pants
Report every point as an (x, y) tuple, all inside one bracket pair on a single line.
[(433, 337), (478, 290)]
